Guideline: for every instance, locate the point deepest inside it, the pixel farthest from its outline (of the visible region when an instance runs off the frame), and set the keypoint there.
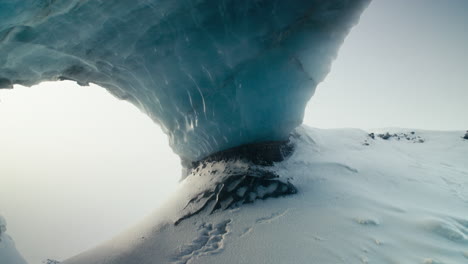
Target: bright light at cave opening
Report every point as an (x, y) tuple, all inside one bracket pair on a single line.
[(78, 162)]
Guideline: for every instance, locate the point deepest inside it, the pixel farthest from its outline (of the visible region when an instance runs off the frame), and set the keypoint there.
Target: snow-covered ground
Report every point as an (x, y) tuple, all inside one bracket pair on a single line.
[(360, 200)]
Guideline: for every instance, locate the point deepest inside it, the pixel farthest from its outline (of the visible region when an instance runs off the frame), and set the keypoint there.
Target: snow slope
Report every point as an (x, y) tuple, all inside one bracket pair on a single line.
[(359, 200), (8, 252)]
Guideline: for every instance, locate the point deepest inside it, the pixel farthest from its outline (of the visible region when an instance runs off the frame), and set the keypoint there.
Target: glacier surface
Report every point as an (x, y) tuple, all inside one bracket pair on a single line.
[(403, 199), (213, 74)]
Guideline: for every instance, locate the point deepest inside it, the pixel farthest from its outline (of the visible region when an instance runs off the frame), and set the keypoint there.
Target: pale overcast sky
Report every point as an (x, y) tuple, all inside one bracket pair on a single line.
[(77, 165), (404, 65)]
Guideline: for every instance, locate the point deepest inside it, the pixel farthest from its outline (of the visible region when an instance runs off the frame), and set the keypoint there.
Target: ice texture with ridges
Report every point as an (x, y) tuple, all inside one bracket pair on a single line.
[(214, 74)]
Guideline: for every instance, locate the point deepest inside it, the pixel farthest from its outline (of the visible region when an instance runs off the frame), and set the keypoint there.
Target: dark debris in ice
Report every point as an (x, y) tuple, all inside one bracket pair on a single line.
[(232, 185), (237, 189), (261, 153)]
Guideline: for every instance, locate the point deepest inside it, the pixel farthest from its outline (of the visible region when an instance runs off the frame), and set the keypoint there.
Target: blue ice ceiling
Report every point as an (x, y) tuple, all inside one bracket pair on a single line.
[(214, 74)]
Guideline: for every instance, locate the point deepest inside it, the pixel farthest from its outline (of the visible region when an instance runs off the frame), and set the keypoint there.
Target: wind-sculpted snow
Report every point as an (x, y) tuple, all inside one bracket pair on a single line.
[(214, 74), (388, 201)]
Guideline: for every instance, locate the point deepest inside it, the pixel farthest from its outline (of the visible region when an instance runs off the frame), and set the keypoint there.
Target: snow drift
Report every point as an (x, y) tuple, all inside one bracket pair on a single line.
[(361, 199)]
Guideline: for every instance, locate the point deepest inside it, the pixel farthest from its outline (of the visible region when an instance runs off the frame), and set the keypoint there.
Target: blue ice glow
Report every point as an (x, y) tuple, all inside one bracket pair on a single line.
[(214, 74)]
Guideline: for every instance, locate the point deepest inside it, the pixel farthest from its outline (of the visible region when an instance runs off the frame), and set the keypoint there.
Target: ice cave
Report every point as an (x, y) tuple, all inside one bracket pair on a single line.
[(214, 74), (228, 82)]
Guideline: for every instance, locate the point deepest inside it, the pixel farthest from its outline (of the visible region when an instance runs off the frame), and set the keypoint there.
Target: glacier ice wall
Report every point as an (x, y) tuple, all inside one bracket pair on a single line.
[(214, 74), (8, 252)]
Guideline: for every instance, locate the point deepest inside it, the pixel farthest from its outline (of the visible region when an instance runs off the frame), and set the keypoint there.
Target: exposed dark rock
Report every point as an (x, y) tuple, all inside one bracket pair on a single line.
[(411, 136), (372, 135), (235, 185), (466, 135), (384, 136), (237, 189)]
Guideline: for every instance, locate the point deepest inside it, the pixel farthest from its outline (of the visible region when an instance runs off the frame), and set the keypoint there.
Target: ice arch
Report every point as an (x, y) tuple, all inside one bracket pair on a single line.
[(215, 74)]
